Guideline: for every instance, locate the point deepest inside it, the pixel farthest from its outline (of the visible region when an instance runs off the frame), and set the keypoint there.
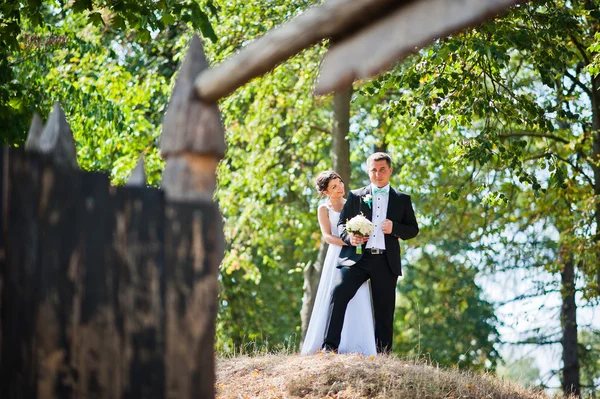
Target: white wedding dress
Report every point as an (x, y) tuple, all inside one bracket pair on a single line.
[(358, 333)]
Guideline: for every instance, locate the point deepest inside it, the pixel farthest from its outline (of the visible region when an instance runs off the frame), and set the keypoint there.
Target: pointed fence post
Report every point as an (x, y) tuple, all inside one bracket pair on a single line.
[(32, 143), (56, 139), (192, 143), (193, 140), (61, 204), (138, 176)]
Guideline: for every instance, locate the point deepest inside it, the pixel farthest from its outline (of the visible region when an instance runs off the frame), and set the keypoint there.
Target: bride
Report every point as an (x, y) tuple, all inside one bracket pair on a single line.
[(358, 333)]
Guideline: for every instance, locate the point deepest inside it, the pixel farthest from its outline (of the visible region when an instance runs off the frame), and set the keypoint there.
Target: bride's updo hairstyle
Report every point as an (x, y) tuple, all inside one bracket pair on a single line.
[(322, 181)]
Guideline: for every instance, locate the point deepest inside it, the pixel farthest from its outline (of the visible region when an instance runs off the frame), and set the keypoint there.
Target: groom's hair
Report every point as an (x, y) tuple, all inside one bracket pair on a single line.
[(322, 181), (380, 156)]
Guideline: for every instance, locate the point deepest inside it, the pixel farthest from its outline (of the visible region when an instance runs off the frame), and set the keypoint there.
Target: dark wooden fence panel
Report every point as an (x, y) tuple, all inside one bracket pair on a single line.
[(96, 343), (193, 251), (139, 247), (3, 232), (18, 372), (106, 292), (60, 208)]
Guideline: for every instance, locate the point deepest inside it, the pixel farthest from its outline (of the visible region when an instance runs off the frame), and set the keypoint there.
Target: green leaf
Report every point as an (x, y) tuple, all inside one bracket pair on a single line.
[(200, 19), (16, 102), (213, 8), (96, 19), (168, 19), (118, 22), (82, 5), (143, 35)]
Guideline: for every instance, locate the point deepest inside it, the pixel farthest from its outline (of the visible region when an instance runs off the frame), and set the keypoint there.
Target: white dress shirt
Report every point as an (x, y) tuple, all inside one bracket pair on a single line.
[(379, 208)]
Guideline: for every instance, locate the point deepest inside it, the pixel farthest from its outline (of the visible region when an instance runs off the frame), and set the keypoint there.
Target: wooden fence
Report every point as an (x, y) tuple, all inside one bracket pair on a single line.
[(110, 292)]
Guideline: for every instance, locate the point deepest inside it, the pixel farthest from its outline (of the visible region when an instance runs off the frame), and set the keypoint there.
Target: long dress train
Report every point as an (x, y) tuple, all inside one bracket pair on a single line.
[(358, 333)]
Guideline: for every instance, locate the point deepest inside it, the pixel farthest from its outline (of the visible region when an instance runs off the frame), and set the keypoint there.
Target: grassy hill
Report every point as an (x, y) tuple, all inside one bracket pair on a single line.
[(355, 376)]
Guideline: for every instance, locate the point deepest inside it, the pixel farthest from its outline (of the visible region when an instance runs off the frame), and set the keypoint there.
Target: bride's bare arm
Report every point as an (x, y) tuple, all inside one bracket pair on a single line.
[(326, 228)]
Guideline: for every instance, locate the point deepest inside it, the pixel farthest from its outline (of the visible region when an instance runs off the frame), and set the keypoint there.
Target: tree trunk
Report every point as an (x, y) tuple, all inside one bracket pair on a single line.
[(595, 157), (568, 320), (340, 145), (340, 154)]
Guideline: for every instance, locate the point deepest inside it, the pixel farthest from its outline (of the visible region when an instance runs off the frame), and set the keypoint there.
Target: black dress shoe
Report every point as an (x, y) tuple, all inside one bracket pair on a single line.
[(329, 349)]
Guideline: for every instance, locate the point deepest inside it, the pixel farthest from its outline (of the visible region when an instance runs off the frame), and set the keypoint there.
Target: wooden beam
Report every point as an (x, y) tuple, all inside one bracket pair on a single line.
[(332, 19), (378, 46)]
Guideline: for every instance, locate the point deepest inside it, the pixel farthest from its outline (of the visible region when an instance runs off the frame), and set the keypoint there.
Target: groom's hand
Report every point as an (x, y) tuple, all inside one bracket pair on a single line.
[(357, 240), (387, 226)]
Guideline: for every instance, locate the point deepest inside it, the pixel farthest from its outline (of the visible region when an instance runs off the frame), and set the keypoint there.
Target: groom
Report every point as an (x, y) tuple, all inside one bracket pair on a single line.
[(393, 217)]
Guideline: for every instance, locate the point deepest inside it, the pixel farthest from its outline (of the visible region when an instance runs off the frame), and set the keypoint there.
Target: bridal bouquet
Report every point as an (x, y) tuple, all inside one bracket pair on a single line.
[(359, 225)]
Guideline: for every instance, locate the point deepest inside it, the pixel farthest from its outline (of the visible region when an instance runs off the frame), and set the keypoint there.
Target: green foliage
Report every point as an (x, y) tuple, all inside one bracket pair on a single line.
[(441, 315), (277, 141), (114, 114), (37, 36), (144, 17), (589, 359), (522, 371)]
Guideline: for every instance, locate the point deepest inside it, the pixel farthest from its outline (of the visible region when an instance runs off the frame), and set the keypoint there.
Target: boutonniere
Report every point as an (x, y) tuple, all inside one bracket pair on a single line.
[(367, 199)]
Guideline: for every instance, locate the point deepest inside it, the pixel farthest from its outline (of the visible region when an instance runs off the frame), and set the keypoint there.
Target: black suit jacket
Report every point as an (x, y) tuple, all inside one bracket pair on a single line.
[(400, 212)]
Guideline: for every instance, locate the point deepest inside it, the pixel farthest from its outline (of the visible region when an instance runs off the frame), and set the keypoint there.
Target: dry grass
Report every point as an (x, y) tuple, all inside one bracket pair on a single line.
[(354, 376)]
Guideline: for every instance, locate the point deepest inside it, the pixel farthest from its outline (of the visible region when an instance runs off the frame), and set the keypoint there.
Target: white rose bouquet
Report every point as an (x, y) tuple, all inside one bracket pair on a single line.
[(359, 225)]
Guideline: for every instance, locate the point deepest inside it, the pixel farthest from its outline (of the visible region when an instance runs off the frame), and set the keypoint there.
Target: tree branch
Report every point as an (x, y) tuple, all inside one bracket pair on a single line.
[(581, 49), (535, 157), (320, 129), (526, 342), (523, 297), (532, 134), (578, 83), (509, 91), (578, 169)]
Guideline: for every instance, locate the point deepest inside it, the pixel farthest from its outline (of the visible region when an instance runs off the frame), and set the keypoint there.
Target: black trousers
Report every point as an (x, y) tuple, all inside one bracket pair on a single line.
[(383, 288)]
